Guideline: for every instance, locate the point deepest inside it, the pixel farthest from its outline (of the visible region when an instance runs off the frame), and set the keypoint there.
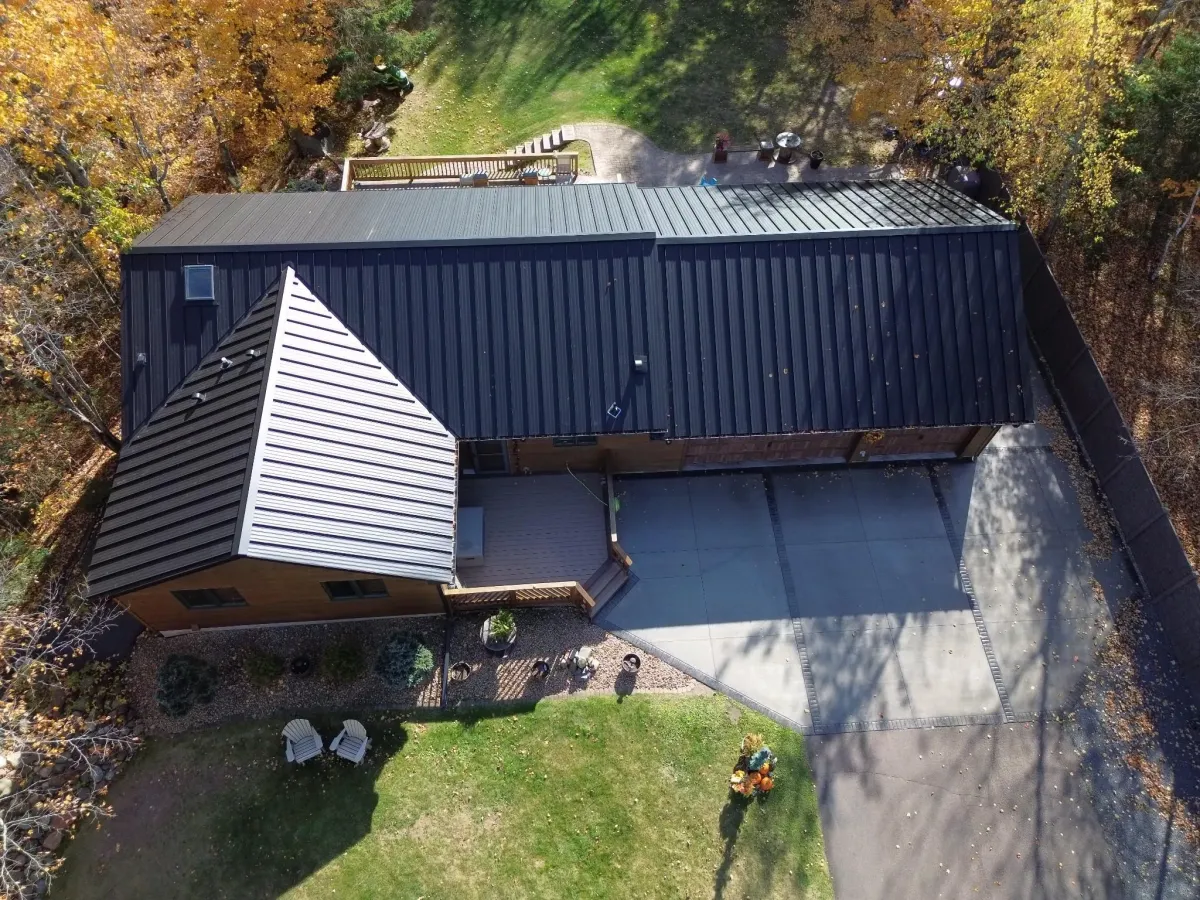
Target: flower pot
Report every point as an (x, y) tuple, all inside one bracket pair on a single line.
[(301, 665), (460, 672), (815, 158), (495, 644)]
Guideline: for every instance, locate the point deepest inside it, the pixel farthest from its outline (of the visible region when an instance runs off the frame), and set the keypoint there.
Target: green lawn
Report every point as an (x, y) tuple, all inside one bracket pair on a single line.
[(587, 798), (678, 70)]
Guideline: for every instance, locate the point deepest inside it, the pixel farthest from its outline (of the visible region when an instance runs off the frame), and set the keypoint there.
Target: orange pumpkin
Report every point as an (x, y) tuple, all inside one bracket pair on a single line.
[(766, 784)]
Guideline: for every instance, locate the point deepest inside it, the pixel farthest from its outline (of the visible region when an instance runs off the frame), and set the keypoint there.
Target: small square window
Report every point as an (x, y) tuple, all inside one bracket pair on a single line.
[(198, 283), (577, 440), (210, 598), (364, 589)]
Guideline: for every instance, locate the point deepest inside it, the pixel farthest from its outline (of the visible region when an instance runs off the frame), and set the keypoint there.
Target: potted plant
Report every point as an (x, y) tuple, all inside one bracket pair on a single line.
[(499, 632)]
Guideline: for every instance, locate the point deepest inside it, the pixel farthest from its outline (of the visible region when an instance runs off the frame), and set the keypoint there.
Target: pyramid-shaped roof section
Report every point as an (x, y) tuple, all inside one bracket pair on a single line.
[(289, 442)]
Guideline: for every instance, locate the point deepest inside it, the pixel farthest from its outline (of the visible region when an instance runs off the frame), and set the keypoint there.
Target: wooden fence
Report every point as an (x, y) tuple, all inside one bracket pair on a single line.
[(518, 596), (500, 168)]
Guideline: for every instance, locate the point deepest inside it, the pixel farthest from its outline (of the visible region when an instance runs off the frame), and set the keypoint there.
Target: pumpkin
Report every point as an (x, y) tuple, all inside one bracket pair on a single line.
[(766, 784), (766, 767)]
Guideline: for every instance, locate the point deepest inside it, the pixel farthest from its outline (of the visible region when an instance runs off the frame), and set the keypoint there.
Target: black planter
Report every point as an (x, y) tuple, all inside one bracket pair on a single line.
[(300, 665), (815, 158), (494, 645)]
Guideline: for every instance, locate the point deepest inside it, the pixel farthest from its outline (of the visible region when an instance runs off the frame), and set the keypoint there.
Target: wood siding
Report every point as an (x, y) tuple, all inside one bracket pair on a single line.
[(275, 592), (636, 453), (536, 529)]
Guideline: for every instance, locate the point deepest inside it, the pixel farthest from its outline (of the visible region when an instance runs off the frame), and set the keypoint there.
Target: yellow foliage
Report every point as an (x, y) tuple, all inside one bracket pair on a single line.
[(1019, 84)]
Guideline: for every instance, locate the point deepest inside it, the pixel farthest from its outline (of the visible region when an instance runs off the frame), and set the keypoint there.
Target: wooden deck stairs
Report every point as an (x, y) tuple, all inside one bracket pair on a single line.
[(550, 142), (605, 584)]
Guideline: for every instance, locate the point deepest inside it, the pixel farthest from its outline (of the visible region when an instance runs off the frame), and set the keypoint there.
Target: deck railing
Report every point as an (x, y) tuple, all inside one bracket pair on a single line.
[(517, 596), (500, 168)]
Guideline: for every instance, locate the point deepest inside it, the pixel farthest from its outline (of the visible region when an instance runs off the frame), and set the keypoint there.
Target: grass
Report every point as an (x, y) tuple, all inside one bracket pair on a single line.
[(504, 71), (589, 798)]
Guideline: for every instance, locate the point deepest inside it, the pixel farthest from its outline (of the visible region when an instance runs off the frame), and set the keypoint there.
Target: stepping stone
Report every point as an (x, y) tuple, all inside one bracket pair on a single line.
[(547, 143), (557, 138), (568, 134)]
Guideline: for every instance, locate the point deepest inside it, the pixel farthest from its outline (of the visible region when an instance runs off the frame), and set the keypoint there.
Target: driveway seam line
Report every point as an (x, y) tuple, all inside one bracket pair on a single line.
[(956, 547), (789, 590)]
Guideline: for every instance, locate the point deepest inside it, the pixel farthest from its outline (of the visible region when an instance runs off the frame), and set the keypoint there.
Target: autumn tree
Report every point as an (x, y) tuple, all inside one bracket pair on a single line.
[(258, 66), (1023, 85)]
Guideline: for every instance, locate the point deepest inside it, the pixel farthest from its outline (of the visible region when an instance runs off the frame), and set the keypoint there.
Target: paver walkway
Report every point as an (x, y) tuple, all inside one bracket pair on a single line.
[(624, 154)]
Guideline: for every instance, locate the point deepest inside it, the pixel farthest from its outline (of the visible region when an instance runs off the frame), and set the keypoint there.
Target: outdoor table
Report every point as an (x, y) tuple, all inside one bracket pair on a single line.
[(786, 142)]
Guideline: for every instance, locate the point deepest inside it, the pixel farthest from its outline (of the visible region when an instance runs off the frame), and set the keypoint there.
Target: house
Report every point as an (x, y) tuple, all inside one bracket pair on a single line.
[(313, 381)]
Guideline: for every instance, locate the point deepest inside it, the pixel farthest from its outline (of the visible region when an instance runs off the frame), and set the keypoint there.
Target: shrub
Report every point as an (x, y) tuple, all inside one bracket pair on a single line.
[(262, 669), (343, 661), (404, 661), (304, 186), (184, 681)]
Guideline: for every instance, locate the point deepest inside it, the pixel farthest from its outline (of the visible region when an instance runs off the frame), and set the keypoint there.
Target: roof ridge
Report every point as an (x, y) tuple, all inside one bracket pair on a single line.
[(265, 393)]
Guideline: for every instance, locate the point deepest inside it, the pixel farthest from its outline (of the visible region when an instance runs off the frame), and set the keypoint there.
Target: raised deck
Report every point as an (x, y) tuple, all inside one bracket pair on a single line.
[(537, 529)]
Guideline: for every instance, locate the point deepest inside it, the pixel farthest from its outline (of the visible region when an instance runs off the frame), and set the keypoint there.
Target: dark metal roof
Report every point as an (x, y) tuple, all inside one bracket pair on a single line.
[(896, 306), (402, 217), (175, 501), (756, 211), (845, 333), (497, 340), (350, 471), (303, 449)]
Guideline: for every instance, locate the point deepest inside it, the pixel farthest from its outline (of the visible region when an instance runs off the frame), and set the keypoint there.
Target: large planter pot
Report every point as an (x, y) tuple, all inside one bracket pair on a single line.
[(494, 644)]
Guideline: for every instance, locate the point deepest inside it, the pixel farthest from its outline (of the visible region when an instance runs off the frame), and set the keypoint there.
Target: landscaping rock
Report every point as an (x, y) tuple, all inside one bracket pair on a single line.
[(8, 787), (52, 840)]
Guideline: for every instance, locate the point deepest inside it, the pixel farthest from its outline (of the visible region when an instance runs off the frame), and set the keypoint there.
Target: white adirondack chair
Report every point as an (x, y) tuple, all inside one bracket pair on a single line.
[(303, 742), (352, 742)]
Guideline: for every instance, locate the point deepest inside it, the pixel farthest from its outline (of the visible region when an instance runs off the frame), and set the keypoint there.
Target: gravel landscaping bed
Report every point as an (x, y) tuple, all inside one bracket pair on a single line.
[(549, 635), (237, 698), (552, 635)]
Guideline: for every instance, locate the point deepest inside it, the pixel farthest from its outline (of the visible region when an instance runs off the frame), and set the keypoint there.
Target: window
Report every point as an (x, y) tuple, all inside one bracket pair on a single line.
[(210, 598), (578, 440), (198, 284), (355, 590)]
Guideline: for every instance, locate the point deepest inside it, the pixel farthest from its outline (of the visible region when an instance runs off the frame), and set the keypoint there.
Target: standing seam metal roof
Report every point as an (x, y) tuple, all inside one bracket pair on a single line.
[(304, 449), (758, 308)]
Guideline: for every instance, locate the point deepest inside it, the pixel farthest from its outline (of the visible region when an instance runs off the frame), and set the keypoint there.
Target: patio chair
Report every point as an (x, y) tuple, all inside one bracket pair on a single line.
[(352, 743), (303, 742)]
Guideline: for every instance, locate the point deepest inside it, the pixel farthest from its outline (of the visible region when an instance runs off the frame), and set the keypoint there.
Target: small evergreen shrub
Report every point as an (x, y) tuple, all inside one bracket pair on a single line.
[(343, 661), (262, 669), (184, 681), (404, 661)]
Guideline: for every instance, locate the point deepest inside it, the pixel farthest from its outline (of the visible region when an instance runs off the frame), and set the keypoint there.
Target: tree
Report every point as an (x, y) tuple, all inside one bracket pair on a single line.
[(57, 311), (1022, 85), (258, 66)]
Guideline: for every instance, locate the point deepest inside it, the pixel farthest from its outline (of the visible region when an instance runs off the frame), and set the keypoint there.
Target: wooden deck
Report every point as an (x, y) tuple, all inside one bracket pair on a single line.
[(536, 528)]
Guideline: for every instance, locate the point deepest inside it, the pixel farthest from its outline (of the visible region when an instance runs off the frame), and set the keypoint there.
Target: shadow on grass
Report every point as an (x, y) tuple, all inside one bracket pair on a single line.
[(680, 72), (299, 818), (730, 825)]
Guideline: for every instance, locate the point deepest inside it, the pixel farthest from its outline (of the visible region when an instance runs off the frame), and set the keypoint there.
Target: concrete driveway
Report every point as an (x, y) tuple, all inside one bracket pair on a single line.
[(869, 598)]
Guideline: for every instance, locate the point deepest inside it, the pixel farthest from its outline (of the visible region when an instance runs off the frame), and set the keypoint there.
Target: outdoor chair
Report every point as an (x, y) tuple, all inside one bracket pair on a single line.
[(303, 742), (352, 743)]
